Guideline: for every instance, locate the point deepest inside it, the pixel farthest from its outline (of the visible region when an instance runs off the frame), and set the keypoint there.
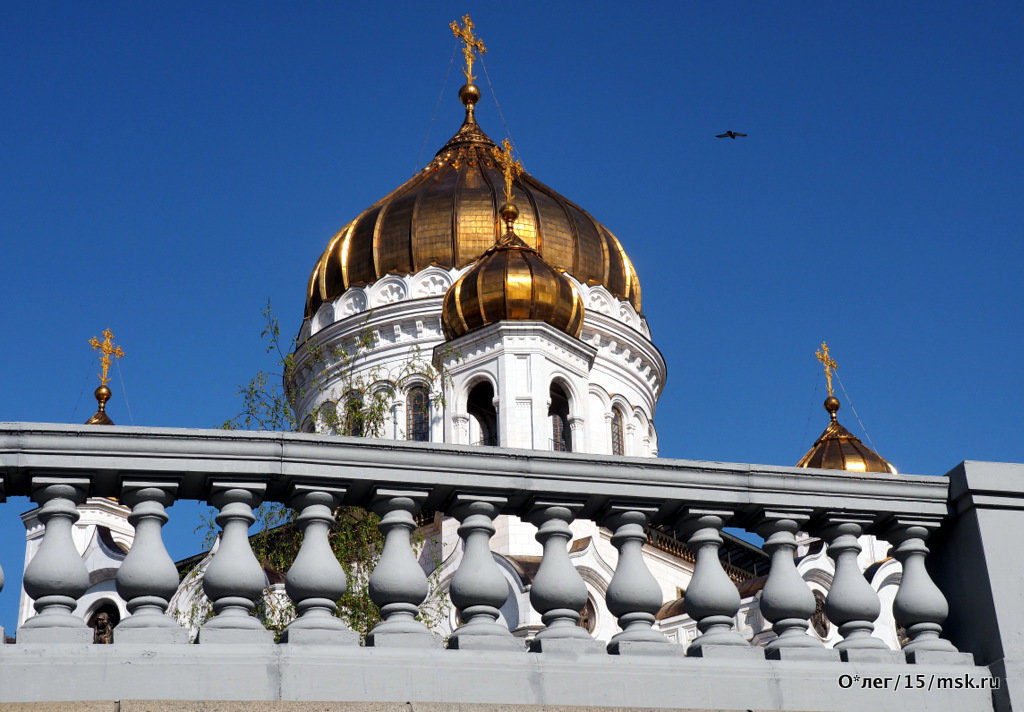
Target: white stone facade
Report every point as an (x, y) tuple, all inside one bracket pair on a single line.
[(611, 376)]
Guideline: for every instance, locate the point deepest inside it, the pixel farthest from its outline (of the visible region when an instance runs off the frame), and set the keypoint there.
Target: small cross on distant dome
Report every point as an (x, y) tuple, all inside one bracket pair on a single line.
[(108, 349), (828, 362), (510, 168)]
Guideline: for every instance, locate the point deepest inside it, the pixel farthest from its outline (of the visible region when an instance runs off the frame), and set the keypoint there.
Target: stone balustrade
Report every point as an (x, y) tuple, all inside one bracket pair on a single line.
[(317, 658)]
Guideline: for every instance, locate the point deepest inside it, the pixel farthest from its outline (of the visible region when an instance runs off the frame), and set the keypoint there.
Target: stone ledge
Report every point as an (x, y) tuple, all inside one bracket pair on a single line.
[(296, 678)]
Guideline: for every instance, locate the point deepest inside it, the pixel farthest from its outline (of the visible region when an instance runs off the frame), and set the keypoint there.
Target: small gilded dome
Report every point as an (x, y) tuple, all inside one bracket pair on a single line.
[(511, 282), (839, 449), (447, 215)]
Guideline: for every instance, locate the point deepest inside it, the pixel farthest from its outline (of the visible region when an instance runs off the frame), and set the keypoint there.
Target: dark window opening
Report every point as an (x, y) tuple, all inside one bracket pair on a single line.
[(561, 435), (480, 407)]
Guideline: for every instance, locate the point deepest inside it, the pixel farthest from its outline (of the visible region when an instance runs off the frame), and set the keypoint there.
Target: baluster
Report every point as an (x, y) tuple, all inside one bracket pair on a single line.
[(920, 606), (711, 598), (478, 589), (558, 592), (147, 579), (316, 580), (786, 600), (398, 585), (234, 579), (56, 577), (633, 596), (852, 604)]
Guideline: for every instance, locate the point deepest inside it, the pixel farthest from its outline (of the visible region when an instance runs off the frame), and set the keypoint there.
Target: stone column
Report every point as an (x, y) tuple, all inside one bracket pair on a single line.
[(460, 429), (234, 580), (711, 599), (633, 596), (398, 585), (578, 431), (478, 589), (852, 604), (786, 600), (316, 580), (558, 593), (398, 419), (147, 579), (56, 577), (920, 606)]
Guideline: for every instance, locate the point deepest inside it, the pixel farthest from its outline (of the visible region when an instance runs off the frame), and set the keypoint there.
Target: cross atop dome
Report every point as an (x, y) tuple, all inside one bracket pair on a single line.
[(108, 349), (103, 393), (829, 363), (471, 42)]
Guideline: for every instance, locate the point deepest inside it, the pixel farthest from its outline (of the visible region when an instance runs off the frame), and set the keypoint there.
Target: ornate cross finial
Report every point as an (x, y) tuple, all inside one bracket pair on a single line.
[(510, 168), (829, 364), (108, 349), (472, 43)]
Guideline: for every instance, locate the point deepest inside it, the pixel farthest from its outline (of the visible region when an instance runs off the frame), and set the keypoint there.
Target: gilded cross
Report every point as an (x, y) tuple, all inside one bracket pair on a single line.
[(829, 364), (472, 43), (510, 168), (108, 349)]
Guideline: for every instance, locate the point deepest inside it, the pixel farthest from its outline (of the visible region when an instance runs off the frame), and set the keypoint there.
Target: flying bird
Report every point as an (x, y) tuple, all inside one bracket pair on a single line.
[(730, 134)]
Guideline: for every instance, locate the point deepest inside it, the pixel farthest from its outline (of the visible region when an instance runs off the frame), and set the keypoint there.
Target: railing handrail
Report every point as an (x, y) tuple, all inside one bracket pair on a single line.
[(196, 458)]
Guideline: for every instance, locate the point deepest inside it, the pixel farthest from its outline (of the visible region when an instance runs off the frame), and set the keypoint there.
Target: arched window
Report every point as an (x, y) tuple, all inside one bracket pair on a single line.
[(417, 414), (561, 435), (483, 416), (618, 442)]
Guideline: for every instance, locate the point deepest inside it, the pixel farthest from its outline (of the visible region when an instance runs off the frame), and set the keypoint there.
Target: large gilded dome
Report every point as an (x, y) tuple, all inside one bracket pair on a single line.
[(447, 215)]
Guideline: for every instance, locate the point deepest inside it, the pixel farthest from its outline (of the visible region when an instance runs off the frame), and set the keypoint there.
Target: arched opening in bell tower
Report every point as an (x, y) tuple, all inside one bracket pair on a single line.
[(558, 413), (483, 417)]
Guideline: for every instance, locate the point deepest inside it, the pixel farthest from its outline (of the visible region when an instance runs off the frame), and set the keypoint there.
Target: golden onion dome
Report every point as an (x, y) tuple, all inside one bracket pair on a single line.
[(839, 449), (447, 215), (511, 282)]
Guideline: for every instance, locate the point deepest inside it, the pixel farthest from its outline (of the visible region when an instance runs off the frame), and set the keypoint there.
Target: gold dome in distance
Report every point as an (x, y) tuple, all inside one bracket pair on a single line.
[(837, 448)]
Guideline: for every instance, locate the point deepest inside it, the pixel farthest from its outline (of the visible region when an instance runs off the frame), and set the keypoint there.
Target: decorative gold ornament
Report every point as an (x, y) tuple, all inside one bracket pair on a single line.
[(108, 349), (829, 363), (510, 168), (471, 43)]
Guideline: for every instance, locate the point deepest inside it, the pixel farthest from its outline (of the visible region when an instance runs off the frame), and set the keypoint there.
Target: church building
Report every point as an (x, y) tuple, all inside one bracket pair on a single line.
[(479, 307)]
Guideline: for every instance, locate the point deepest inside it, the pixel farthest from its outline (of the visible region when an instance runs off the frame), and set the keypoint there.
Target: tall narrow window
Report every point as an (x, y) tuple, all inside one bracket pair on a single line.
[(417, 414), (484, 418), (561, 435), (617, 440)]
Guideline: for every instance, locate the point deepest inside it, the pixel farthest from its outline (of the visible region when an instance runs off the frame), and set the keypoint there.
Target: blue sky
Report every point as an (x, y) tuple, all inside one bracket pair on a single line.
[(168, 168)]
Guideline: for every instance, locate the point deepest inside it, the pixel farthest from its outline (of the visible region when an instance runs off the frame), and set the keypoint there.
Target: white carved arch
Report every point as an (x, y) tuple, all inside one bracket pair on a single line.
[(601, 397), (388, 290), (324, 316), (353, 301), (563, 381), (430, 282)]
